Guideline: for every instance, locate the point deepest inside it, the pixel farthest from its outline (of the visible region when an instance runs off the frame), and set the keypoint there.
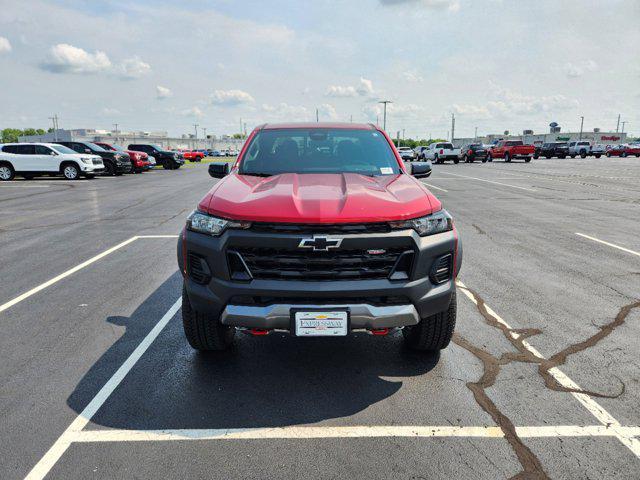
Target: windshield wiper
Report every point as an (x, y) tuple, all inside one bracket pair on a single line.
[(258, 174)]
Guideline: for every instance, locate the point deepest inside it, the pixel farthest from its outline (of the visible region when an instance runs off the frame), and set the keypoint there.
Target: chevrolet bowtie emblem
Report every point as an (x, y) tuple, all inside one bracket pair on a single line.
[(320, 244)]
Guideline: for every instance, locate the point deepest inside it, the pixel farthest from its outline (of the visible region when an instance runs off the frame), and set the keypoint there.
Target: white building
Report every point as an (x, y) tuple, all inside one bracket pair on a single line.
[(528, 137)]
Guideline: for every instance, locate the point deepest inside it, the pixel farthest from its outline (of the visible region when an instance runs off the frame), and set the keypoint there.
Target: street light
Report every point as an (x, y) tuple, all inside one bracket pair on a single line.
[(384, 121), (581, 126)]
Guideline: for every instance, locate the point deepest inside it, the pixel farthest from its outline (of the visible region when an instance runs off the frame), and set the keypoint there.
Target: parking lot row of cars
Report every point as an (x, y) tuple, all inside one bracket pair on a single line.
[(198, 154), (440, 152), (74, 160)]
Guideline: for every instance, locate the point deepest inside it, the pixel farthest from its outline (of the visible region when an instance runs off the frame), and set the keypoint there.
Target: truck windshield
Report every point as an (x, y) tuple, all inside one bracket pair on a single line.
[(315, 150)]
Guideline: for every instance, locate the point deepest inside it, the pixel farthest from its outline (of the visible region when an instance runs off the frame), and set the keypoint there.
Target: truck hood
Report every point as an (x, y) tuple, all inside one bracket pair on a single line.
[(319, 198)]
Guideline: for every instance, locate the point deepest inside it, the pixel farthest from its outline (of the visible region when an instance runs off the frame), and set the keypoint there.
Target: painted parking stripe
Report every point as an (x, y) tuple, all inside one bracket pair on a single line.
[(491, 181), (46, 463), (381, 431), (597, 410), (433, 186), (613, 245), (75, 269)]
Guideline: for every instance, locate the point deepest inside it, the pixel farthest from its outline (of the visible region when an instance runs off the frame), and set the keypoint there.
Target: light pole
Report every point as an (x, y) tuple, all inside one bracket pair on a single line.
[(581, 126), (195, 139), (384, 118), (623, 124), (475, 136)]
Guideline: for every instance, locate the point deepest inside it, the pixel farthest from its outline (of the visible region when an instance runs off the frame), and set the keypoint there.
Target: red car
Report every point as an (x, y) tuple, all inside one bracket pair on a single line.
[(319, 229), (510, 149), (139, 160), (624, 151), (192, 155)]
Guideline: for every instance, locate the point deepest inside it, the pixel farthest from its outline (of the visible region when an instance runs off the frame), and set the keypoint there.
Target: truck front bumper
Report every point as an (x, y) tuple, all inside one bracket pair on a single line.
[(267, 303)]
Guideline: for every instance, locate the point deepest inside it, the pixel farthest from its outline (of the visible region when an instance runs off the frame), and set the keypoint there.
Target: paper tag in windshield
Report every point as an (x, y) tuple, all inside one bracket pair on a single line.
[(386, 170)]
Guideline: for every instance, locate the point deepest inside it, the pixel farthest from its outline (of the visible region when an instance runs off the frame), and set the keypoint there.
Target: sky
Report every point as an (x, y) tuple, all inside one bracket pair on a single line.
[(167, 65)]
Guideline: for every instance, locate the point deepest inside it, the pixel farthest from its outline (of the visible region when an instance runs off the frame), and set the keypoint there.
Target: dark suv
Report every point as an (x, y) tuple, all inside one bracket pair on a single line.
[(115, 163), (473, 152), (553, 149), (168, 159)]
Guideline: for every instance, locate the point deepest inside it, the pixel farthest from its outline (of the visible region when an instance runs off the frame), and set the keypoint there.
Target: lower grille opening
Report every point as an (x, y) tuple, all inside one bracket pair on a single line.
[(442, 269), (198, 269)]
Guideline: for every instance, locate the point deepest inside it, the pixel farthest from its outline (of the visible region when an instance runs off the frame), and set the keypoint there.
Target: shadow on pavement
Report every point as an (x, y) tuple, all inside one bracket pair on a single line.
[(261, 382)]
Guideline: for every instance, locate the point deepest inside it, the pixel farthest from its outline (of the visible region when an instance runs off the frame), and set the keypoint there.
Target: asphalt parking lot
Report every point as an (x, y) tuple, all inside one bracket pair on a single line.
[(543, 378)]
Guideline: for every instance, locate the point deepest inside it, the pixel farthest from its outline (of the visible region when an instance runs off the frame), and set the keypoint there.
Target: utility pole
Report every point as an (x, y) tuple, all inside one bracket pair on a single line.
[(398, 139), (116, 131), (195, 140), (581, 126), (351, 118), (403, 135), (475, 137), (54, 120), (245, 130), (317, 116), (453, 126), (384, 121), (618, 124), (623, 124), (378, 120), (204, 134)]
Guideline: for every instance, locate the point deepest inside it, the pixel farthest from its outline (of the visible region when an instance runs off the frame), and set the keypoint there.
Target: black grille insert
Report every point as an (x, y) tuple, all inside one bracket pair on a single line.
[(198, 269), (441, 269), (280, 264)]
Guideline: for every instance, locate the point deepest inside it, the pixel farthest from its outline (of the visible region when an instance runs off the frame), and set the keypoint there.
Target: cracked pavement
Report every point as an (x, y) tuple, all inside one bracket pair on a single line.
[(575, 301)]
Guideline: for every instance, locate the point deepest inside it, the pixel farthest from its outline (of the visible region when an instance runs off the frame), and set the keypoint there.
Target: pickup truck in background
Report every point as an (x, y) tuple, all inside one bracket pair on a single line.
[(581, 147), (512, 149), (553, 149), (440, 152)]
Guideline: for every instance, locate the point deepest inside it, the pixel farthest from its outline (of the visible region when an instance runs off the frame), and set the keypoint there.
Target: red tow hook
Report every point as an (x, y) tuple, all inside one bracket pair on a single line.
[(258, 332), (379, 331)]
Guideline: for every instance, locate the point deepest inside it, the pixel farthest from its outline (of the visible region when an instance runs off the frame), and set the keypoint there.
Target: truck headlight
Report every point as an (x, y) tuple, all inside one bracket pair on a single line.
[(86, 160), (431, 224), (203, 223)]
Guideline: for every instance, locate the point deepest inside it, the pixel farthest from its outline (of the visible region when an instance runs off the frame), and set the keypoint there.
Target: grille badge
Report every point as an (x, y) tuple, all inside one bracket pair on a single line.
[(320, 244)]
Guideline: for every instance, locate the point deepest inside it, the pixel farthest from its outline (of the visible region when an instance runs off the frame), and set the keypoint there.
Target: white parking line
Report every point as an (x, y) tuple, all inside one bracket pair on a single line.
[(613, 245), (73, 270), (491, 181), (378, 431), (433, 186), (588, 402), (46, 463)]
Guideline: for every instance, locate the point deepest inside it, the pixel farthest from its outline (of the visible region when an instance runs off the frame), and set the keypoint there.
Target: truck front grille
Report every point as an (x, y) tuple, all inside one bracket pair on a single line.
[(279, 264)]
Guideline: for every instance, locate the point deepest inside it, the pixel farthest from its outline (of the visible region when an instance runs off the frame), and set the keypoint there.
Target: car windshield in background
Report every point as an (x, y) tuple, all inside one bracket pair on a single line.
[(300, 150), (95, 147), (62, 149)]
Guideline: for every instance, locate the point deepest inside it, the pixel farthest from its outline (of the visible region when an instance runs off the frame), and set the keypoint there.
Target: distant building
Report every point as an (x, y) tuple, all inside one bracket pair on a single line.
[(125, 138), (605, 138)]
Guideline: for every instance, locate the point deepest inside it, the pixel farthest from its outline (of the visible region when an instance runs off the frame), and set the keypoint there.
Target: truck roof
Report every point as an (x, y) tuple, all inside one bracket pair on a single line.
[(318, 125)]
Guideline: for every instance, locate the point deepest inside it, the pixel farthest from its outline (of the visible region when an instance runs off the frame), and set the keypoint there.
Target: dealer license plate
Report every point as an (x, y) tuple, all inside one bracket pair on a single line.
[(321, 324)]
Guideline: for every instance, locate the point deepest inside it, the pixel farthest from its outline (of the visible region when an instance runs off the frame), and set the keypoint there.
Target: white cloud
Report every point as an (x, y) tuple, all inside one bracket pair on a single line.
[(412, 76), (574, 70), (230, 97), (284, 111), (327, 111), (451, 5), (163, 92), (65, 58), (192, 112), (108, 111), (364, 88), (5, 45), (132, 68)]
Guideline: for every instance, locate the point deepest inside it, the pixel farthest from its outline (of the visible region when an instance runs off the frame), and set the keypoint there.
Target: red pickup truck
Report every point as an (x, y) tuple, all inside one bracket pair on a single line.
[(192, 155), (510, 149), (319, 229), (139, 160)]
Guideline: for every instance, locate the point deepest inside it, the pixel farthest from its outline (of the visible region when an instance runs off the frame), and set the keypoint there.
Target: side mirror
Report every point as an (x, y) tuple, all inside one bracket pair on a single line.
[(218, 170), (421, 170)]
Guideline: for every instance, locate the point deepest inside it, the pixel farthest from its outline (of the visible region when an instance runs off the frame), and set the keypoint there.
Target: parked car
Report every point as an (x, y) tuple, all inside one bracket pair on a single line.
[(440, 152), (115, 163), (419, 150), (192, 155), (510, 150), (597, 150), (139, 160), (624, 151), (30, 160), (406, 153), (304, 252), (580, 147), (168, 159), (216, 153), (472, 152), (552, 149)]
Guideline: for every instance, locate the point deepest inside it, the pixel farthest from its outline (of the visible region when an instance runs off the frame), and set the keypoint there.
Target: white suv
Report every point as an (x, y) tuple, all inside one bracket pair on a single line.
[(32, 159)]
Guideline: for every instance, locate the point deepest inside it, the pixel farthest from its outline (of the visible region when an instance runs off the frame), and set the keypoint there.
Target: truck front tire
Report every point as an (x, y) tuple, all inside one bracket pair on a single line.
[(432, 333), (204, 330)]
